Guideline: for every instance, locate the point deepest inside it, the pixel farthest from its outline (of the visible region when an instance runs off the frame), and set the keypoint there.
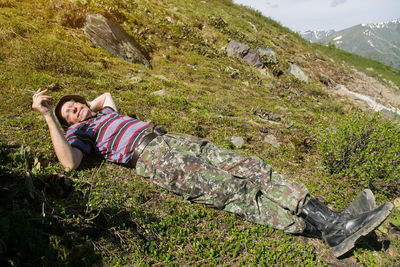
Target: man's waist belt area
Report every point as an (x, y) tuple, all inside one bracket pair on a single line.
[(157, 131)]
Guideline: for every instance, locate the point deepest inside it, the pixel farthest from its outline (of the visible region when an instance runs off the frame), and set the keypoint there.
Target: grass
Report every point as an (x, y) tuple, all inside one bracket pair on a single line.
[(105, 213)]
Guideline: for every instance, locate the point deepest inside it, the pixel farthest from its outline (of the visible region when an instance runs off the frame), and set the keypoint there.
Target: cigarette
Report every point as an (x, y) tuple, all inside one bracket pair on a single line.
[(29, 91)]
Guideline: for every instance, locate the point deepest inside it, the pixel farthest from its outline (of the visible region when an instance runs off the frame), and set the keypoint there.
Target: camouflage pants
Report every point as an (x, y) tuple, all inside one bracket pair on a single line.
[(202, 172)]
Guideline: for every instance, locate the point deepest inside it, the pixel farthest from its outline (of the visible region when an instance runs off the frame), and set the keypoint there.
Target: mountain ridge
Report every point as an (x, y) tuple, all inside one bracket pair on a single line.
[(378, 41)]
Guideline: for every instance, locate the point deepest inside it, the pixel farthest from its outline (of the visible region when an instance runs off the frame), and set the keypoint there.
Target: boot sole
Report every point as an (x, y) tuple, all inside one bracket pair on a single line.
[(349, 242)]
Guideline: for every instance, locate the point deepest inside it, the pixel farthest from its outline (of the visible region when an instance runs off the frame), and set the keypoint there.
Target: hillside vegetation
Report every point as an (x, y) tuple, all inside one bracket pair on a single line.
[(104, 214)]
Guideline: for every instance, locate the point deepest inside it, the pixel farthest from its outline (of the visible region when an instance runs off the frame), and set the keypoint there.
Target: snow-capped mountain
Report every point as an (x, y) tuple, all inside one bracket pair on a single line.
[(379, 41), (314, 36)]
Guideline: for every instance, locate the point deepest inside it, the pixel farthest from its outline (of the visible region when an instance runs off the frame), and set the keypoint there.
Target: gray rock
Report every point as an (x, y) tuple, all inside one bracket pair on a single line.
[(161, 93), (265, 73), (270, 139), (162, 77), (109, 35), (269, 86), (325, 79), (253, 58), (297, 72), (253, 26), (135, 79), (237, 49), (237, 141), (268, 54), (243, 51), (170, 20)]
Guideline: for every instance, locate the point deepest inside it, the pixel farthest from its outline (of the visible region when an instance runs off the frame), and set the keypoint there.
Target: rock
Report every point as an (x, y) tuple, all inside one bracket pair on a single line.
[(135, 79), (161, 93), (253, 58), (237, 49), (297, 72), (243, 51), (270, 139), (396, 203), (268, 54), (237, 141), (109, 35), (253, 26), (265, 73), (324, 79), (162, 77), (246, 83), (269, 86)]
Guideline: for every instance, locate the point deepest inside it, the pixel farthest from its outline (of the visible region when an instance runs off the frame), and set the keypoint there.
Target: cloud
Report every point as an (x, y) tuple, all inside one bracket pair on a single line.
[(335, 3), (272, 5)]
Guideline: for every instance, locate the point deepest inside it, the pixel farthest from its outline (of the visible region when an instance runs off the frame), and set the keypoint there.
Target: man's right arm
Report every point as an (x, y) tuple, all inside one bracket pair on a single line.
[(104, 100), (70, 157)]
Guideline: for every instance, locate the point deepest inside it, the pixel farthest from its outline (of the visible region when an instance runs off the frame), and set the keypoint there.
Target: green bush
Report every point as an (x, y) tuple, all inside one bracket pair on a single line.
[(364, 151)]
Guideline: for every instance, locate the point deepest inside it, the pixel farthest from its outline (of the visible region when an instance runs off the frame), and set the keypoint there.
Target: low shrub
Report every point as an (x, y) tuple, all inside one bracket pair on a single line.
[(364, 151)]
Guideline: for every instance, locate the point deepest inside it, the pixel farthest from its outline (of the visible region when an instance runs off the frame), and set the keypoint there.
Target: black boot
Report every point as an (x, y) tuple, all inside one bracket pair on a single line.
[(341, 230), (363, 203)]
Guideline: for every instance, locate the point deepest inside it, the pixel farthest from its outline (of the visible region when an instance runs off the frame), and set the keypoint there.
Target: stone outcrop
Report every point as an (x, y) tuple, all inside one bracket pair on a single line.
[(109, 35), (297, 72), (243, 51)]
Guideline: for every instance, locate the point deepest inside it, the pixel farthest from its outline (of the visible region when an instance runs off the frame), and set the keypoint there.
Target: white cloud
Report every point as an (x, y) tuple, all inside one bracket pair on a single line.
[(272, 5), (335, 3)]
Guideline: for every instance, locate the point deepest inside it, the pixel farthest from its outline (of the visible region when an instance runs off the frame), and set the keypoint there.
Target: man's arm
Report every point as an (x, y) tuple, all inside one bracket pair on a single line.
[(70, 157), (105, 100)]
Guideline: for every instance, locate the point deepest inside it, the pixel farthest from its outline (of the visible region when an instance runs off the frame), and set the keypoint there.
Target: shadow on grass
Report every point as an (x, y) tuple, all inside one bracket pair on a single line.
[(44, 221), (368, 242)]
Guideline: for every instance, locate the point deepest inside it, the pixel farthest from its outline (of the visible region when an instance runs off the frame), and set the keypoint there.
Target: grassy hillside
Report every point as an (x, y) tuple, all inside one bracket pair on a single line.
[(103, 213)]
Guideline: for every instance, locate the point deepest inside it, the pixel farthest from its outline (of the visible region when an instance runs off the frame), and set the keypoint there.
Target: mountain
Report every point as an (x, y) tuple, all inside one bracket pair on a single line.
[(380, 41), (314, 36)]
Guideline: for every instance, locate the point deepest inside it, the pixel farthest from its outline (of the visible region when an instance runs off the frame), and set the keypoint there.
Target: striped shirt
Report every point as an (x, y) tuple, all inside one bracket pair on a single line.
[(108, 134)]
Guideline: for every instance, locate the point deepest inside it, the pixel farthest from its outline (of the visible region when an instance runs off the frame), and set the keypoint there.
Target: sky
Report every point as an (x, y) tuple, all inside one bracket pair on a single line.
[(302, 15)]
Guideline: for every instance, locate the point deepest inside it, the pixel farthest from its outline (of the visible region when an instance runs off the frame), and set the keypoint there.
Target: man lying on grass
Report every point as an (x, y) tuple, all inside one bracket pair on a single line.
[(202, 172)]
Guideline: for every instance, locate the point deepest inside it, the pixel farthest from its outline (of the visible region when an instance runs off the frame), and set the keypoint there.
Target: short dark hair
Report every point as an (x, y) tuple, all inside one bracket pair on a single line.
[(77, 98)]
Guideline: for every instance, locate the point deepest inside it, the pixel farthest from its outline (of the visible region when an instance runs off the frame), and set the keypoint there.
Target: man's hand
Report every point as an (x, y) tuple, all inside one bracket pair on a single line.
[(40, 102)]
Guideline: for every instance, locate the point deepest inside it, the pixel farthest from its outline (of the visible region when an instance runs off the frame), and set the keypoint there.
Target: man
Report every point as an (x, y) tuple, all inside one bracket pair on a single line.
[(202, 172)]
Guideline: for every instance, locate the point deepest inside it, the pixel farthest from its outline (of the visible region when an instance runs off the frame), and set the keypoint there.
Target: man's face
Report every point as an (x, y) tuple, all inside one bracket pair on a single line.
[(74, 112)]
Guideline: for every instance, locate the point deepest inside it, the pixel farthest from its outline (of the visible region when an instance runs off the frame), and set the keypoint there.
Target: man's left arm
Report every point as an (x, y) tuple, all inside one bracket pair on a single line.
[(104, 100)]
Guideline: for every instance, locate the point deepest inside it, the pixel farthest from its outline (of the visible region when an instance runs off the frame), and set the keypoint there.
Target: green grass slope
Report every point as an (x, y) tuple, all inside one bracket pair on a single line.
[(104, 214)]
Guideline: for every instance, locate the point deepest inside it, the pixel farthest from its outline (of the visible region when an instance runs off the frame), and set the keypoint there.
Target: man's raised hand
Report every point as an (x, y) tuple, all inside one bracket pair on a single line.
[(40, 102)]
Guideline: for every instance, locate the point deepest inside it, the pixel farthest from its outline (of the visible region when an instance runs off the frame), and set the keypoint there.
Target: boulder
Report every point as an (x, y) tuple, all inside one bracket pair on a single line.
[(237, 141), (270, 139), (254, 59), (325, 79), (243, 51), (297, 72), (109, 35), (237, 49), (268, 54)]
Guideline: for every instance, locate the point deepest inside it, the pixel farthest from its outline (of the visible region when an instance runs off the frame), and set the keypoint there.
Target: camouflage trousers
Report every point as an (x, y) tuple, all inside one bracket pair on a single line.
[(202, 172)]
